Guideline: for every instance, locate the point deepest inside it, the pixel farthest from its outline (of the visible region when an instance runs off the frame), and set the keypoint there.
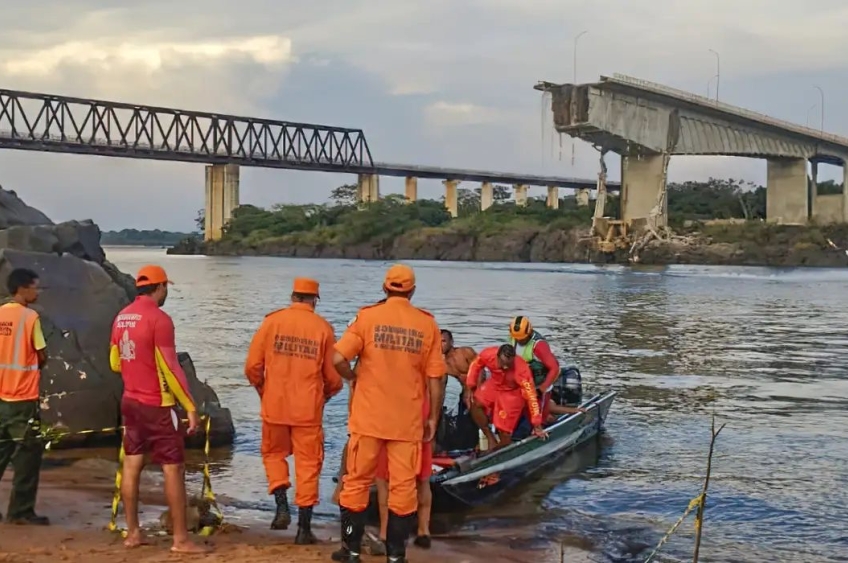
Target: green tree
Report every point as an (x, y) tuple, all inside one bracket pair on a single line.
[(346, 194), (200, 221)]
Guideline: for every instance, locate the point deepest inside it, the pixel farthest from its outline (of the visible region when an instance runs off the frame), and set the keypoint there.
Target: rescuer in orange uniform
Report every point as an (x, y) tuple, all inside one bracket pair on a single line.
[(290, 363), (143, 350), (501, 398), (23, 352), (400, 362)]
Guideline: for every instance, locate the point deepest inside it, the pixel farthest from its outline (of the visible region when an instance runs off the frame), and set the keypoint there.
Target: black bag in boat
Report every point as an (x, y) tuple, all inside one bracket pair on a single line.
[(456, 430)]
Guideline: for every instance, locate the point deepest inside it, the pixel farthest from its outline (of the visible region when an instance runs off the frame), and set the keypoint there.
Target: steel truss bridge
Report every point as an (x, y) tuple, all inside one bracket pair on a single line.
[(48, 123)]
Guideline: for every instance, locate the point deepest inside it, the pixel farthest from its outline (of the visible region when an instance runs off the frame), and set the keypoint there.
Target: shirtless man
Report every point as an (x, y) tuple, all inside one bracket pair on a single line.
[(458, 360)]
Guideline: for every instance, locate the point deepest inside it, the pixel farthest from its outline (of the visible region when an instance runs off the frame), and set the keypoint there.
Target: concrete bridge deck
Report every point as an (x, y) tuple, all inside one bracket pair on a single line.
[(646, 123)]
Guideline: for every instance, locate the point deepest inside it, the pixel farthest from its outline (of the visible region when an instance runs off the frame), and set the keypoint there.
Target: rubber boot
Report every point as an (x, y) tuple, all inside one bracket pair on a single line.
[(397, 532), (304, 527), (282, 518), (353, 528)]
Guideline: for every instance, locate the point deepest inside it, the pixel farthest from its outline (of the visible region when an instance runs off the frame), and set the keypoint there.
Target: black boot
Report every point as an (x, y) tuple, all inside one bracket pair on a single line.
[(304, 527), (397, 532), (282, 518), (353, 528)]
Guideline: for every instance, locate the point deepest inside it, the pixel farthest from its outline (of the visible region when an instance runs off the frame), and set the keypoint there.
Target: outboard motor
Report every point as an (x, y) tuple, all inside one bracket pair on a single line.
[(568, 389)]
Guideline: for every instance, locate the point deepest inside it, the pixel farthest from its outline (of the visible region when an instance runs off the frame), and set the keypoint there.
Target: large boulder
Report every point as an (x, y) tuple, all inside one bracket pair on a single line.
[(82, 295), (13, 211)]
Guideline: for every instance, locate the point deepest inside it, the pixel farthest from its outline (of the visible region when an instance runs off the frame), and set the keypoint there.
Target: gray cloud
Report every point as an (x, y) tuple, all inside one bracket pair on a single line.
[(430, 82)]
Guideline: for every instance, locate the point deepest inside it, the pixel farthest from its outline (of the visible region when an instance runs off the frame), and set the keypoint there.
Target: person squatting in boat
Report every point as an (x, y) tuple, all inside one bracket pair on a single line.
[(501, 399)]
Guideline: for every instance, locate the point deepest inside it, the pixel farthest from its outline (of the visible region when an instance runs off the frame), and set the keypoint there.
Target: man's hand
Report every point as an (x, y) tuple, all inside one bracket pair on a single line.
[(468, 395), (193, 422), (540, 433), (430, 426), (260, 389)]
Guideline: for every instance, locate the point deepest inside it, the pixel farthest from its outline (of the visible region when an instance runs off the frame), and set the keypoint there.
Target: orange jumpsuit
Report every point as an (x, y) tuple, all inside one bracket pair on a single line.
[(399, 348), (505, 393), (290, 362)]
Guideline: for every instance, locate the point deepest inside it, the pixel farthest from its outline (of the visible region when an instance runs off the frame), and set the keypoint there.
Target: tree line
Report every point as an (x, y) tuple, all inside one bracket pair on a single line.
[(344, 221)]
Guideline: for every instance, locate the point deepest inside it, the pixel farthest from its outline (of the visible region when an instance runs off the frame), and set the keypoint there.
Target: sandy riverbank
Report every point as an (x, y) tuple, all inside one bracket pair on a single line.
[(77, 496)]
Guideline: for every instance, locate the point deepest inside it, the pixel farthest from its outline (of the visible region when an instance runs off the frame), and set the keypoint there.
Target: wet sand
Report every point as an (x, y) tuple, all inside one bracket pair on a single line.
[(77, 498)]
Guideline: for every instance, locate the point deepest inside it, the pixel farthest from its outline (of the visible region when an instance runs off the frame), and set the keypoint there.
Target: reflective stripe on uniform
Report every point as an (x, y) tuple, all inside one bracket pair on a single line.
[(19, 334)]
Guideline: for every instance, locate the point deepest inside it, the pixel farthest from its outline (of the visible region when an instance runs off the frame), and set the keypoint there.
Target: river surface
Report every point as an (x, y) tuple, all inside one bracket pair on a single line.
[(764, 350)]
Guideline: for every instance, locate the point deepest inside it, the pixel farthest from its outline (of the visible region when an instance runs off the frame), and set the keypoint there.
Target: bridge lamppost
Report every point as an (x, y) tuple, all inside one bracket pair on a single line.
[(576, 39), (709, 85), (718, 70), (574, 81), (821, 94), (809, 111)]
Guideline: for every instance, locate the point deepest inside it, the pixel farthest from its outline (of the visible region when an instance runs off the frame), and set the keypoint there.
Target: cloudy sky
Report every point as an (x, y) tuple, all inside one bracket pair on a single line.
[(430, 81)]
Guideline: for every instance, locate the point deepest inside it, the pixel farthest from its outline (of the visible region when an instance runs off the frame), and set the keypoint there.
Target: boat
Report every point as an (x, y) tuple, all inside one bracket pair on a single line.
[(463, 480)]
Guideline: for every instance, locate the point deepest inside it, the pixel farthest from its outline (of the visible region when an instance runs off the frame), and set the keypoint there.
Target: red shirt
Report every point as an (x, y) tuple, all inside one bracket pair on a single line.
[(144, 352)]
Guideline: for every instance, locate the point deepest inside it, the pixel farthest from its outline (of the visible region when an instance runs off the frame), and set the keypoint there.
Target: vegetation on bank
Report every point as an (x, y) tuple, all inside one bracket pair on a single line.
[(135, 237), (343, 223)]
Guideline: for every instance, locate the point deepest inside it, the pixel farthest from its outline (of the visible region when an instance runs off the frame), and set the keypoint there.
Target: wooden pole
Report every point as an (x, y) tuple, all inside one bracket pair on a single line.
[(699, 517)]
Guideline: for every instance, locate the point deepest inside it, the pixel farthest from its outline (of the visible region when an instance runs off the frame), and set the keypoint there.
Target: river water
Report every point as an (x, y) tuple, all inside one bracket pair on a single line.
[(764, 350)]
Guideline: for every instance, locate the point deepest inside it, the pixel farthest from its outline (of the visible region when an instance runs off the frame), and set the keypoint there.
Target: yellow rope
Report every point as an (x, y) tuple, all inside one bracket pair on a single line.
[(206, 491), (693, 504)]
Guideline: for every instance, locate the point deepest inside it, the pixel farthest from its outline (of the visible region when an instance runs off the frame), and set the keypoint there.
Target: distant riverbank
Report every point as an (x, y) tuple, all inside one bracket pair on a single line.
[(135, 237), (752, 243)]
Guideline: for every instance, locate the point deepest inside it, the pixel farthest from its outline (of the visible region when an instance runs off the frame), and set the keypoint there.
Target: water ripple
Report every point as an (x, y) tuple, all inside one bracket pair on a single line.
[(763, 349)]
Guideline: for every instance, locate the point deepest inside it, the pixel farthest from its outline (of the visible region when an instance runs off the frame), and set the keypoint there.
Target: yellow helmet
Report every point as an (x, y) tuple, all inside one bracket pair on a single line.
[(520, 328)]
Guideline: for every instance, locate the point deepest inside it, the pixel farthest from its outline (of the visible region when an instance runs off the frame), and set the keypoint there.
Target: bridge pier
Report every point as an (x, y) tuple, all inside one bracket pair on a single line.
[(828, 208), (787, 191), (487, 196), (411, 189), (368, 188), (845, 191), (642, 184), (451, 201), (222, 197), (553, 197), (520, 195)]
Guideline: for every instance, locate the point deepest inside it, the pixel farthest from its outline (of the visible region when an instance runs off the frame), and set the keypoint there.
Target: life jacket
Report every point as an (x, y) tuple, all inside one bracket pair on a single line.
[(540, 372), (19, 375)]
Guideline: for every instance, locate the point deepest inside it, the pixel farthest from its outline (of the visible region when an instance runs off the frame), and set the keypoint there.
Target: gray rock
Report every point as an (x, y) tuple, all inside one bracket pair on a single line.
[(39, 238), (83, 292), (81, 239), (13, 211)]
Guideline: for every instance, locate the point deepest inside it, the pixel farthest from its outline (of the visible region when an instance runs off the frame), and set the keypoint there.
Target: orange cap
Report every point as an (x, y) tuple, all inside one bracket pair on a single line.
[(307, 286), (151, 274), (400, 278)]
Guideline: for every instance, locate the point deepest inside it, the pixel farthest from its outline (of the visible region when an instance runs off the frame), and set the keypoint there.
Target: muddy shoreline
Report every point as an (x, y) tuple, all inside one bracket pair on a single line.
[(76, 493), (752, 244)]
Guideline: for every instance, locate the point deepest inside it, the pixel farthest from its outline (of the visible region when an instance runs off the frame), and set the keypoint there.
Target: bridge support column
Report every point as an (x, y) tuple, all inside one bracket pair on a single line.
[(520, 195), (845, 191), (553, 197), (642, 185), (787, 191), (368, 188), (487, 196), (451, 201), (582, 197), (411, 190), (222, 198)]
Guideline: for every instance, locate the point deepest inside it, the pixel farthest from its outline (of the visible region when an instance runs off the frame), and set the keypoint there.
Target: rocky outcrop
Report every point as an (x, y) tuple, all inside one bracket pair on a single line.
[(764, 245), (83, 294)]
